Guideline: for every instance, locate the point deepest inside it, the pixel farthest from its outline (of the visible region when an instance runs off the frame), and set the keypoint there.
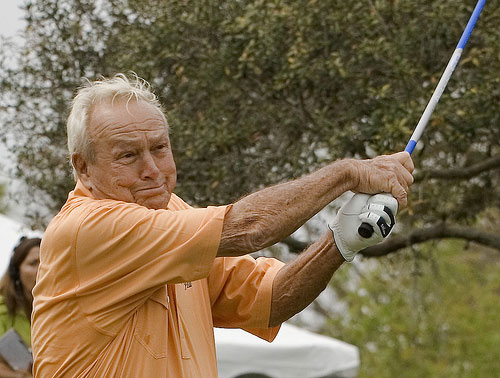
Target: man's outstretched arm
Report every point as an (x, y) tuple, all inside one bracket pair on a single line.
[(268, 216)]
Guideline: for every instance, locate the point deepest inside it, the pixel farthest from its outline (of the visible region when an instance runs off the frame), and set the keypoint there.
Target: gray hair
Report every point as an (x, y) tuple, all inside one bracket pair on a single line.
[(120, 86)]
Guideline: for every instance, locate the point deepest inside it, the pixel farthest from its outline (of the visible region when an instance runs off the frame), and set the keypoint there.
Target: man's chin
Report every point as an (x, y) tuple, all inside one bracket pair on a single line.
[(155, 203)]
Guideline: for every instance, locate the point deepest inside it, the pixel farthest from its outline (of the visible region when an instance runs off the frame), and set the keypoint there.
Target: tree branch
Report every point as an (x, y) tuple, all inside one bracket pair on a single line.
[(460, 173), (294, 245), (397, 242), (438, 231)]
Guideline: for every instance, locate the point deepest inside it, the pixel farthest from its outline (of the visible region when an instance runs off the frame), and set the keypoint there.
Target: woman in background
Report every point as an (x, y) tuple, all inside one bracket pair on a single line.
[(16, 300)]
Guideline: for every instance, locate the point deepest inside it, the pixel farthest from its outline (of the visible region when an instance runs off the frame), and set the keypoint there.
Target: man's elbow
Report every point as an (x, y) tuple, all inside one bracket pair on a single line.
[(237, 241)]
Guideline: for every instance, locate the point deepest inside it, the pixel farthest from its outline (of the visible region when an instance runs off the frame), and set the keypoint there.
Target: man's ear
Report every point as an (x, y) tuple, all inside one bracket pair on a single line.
[(82, 169)]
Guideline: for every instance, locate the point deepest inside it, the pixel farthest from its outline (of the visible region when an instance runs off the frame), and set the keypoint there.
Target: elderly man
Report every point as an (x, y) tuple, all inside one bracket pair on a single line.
[(132, 280)]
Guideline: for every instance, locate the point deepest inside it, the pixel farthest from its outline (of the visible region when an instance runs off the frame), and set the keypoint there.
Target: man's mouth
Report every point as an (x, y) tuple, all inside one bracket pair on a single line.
[(151, 191)]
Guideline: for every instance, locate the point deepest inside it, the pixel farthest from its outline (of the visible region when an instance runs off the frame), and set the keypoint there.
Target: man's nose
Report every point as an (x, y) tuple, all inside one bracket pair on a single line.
[(149, 168)]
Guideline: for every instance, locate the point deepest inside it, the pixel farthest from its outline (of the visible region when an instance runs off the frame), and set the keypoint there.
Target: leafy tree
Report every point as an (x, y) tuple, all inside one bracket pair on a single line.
[(262, 91), (424, 313)]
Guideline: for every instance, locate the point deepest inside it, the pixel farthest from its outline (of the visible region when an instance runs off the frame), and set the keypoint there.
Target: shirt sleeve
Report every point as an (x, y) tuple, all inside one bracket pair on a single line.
[(241, 293), (124, 252)]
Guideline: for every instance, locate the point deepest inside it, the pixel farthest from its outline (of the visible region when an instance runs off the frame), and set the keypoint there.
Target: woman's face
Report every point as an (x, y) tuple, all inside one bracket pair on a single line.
[(28, 270)]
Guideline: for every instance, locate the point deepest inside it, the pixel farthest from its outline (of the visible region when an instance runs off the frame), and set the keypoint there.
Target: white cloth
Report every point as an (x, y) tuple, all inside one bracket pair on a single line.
[(295, 353)]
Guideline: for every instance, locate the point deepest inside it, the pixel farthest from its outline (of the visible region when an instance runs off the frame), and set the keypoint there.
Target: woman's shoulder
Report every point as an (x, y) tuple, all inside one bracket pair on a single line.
[(3, 306), (6, 320), (19, 322)]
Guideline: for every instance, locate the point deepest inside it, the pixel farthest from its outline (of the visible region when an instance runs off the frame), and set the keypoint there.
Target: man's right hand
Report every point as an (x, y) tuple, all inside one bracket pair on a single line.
[(384, 174)]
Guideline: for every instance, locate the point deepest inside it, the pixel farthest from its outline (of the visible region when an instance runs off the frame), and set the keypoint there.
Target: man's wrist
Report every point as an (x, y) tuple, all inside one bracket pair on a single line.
[(339, 246), (350, 173)]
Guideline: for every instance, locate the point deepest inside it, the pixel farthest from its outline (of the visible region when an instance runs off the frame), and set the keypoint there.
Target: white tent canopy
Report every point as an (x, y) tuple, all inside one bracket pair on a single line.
[(295, 353)]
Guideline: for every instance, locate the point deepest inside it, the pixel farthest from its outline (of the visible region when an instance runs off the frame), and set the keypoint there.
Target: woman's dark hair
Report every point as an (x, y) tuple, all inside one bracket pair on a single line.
[(11, 287)]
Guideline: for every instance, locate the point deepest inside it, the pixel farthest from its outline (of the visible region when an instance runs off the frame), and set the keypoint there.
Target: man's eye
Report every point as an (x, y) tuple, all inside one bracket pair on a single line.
[(161, 147), (127, 155)]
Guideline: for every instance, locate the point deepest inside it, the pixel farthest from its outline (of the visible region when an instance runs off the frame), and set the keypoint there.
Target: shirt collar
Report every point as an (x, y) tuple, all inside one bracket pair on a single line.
[(82, 191)]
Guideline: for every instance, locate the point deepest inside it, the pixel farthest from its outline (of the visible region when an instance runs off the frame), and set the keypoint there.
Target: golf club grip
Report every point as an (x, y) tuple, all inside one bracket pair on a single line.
[(365, 230)]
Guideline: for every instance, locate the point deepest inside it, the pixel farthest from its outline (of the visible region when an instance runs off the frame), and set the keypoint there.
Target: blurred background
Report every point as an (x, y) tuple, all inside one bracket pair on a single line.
[(257, 92)]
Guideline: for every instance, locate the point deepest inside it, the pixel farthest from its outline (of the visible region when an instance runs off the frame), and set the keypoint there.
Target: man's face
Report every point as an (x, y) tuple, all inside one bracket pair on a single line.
[(133, 159)]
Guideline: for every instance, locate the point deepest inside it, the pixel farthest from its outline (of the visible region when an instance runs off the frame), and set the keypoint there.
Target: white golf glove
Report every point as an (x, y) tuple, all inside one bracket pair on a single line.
[(377, 212)]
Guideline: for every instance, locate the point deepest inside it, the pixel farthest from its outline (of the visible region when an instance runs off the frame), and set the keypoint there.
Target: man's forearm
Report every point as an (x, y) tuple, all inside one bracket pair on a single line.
[(269, 215), (300, 281)]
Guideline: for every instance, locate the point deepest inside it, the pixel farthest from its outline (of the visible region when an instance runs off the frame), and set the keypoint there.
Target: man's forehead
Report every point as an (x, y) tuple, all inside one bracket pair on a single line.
[(127, 137), (126, 117)]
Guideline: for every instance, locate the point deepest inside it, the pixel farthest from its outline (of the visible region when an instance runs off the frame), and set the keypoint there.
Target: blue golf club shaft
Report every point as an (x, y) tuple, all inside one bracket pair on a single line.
[(365, 230), (424, 119)]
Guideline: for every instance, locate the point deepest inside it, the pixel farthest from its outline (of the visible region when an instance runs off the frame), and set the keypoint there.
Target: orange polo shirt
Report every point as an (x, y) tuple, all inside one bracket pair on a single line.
[(126, 291)]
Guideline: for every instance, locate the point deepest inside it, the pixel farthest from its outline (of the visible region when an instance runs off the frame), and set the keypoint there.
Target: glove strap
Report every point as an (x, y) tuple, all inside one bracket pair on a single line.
[(347, 255)]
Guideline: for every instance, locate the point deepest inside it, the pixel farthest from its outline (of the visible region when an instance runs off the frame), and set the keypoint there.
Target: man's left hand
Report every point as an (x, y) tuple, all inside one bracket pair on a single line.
[(379, 211)]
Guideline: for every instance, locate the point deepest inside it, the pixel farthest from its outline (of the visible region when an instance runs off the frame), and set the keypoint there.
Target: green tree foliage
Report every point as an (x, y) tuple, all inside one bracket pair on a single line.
[(262, 91), (423, 313)]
